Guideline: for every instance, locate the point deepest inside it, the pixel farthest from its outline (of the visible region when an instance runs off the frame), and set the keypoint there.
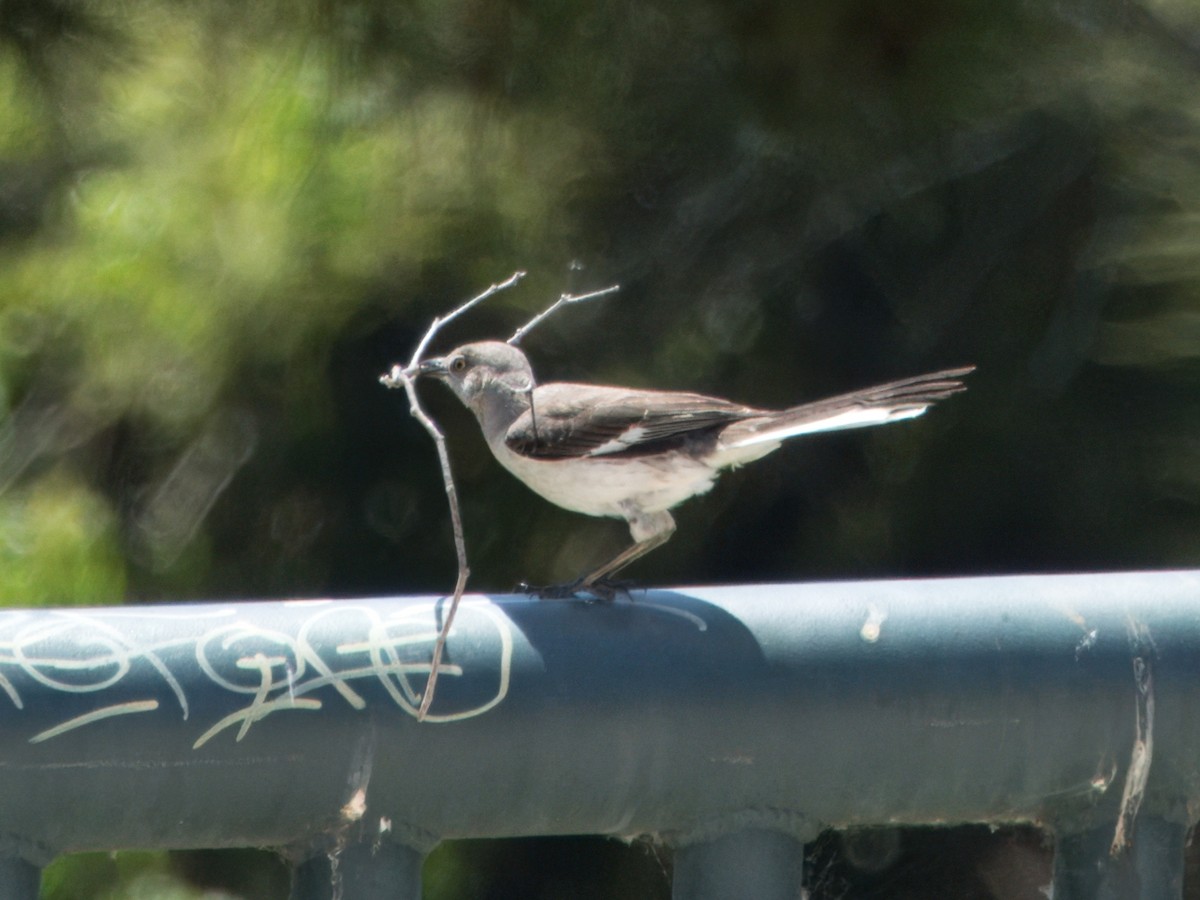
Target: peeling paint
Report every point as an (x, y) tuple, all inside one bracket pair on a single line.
[(1142, 753)]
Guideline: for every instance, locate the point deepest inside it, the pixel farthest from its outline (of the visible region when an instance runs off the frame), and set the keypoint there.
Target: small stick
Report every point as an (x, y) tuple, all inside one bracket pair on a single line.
[(403, 378), (439, 321), (562, 301)]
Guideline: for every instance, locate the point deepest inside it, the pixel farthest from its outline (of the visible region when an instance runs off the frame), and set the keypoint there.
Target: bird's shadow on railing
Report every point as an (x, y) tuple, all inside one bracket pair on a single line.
[(656, 641)]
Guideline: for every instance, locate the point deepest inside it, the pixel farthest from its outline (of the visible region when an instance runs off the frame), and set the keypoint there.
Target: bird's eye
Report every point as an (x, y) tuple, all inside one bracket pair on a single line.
[(458, 364)]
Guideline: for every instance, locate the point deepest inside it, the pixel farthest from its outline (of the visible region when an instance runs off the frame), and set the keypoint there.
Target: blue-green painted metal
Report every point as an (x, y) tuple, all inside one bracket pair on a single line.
[(687, 714), (763, 864), (366, 870), (20, 879)]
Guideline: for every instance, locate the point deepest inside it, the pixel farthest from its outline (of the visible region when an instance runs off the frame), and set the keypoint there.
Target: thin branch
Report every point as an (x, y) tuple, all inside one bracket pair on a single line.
[(436, 325), (404, 378), (564, 300)]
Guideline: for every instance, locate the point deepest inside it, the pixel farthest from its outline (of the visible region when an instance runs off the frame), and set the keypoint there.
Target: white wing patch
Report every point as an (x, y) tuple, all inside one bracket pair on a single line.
[(623, 441), (853, 418)]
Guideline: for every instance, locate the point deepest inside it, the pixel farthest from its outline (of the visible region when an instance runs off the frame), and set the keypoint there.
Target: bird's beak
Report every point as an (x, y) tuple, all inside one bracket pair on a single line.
[(435, 367)]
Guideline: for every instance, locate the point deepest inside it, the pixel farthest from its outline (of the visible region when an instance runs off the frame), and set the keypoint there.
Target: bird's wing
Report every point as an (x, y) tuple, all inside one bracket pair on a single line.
[(569, 420)]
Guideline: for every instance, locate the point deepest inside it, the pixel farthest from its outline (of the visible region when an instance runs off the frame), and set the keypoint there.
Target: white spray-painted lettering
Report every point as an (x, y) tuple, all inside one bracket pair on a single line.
[(273, 671)]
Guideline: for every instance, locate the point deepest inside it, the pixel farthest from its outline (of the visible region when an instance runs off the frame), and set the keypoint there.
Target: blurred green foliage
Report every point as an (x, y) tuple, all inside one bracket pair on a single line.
[(125, 876), (220, 221)]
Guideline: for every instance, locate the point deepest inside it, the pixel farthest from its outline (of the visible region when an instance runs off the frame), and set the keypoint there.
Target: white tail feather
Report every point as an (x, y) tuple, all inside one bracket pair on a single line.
[(851, 418)]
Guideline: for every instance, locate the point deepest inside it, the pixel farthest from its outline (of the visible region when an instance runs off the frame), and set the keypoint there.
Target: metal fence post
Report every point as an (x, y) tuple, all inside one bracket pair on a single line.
[(361, 871), (1151, 868), (19, 879), (766, 865)]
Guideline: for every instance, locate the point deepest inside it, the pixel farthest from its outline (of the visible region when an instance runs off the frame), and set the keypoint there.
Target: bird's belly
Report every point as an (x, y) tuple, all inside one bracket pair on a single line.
[(601, 486)]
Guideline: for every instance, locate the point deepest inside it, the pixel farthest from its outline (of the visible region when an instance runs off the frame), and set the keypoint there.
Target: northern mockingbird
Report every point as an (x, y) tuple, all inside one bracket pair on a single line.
[(636, 454)]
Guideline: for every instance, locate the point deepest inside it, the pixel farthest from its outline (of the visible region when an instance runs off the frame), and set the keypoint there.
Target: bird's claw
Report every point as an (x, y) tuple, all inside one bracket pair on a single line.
[(548, 591)]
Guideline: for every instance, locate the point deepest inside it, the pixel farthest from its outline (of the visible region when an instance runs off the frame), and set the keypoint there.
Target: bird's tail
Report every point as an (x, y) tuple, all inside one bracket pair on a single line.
[(892, 402)]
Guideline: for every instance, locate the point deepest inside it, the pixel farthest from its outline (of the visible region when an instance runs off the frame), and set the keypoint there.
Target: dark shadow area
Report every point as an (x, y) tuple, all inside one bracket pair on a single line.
[(566, 868)]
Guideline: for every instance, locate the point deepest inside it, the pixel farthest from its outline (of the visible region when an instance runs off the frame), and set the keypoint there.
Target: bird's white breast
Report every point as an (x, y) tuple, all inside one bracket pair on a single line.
[(608, 486)]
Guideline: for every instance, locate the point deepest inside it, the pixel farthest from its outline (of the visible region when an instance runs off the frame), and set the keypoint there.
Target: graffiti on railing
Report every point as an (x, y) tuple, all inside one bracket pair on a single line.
[(272, 664)]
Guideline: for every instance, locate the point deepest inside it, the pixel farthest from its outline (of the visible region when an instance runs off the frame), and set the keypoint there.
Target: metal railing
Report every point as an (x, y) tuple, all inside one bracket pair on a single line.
[(733, 723)]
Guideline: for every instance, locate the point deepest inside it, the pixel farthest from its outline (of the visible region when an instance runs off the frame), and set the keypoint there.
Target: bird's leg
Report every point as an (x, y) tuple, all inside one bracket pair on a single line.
[(649, 533), (649, 530)]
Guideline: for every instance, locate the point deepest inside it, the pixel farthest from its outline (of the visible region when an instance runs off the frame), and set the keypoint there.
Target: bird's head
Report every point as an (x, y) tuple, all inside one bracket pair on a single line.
[(483, 374)]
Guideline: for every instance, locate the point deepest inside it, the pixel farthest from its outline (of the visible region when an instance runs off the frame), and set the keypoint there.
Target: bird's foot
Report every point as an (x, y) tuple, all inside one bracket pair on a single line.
[(604, 590), (549, 591)]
